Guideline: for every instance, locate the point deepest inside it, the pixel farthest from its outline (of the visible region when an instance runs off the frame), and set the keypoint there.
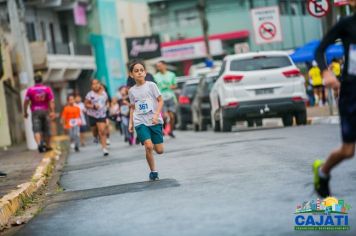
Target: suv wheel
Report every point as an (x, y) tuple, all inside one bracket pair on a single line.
[(196, 127), (203, 126), (215, 124), (301, 118), (259, 122), (287, 120), (182, 126), (225, 124)]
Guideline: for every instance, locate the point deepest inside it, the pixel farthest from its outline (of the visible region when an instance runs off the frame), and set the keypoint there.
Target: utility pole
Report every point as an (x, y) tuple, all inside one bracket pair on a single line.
[(205, 25), (23, 58)]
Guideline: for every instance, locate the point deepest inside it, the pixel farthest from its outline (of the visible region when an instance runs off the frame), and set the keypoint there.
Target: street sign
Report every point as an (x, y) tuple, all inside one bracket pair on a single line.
[(318, 8), (266, 25), (339, 3)]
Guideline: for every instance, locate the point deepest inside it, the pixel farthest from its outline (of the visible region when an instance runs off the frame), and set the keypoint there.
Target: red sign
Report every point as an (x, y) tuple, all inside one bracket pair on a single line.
[(339, 3), (318, 8), (267, 31)]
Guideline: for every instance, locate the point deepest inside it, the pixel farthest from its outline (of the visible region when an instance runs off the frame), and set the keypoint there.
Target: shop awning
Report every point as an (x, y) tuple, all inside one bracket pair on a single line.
[(306, 53)]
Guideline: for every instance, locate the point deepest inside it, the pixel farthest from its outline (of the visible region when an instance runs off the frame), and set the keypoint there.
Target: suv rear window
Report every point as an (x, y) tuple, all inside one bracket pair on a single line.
[(260, 63), (189, 90)]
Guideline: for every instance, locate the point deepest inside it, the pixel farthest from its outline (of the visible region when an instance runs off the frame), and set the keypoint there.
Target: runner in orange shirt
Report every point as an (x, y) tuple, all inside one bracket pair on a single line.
[(71, 122)]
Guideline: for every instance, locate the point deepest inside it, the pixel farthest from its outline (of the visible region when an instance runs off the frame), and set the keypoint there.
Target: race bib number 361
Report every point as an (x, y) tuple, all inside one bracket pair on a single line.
[(143, 107), (352, 60)]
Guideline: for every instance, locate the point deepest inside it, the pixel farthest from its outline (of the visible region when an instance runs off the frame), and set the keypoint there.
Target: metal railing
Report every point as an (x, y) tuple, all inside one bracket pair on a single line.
[(69, 49)]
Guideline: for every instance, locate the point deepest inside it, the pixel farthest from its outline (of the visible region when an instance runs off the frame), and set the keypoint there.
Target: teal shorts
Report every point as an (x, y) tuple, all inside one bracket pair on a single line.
[(154, 133)]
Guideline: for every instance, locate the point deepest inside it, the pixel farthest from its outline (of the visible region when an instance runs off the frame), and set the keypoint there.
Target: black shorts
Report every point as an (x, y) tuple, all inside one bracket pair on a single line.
[(40, 122), (318, 86), (93, 121), (348, 128)]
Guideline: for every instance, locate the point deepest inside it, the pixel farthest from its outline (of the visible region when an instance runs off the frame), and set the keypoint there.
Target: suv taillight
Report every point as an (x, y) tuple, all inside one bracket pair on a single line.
[(232, 78), (184, 100), (292, 73)]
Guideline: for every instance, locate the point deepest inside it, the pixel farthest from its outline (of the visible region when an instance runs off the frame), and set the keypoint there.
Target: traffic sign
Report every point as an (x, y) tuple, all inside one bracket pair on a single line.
[(267, 31), (266, 25), (318, 8)]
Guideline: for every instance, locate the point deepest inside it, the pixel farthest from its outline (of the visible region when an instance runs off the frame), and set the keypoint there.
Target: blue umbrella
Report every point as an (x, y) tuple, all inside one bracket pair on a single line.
[(306, 53)]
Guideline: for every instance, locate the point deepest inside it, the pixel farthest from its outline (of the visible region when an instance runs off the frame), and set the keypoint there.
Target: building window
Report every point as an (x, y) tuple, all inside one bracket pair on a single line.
[(159, 22), (294, 8), (31, 33), (187, 17)]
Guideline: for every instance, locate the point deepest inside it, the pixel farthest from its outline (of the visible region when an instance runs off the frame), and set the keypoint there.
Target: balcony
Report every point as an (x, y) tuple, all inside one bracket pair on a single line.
[(61, 61), (69, 49)]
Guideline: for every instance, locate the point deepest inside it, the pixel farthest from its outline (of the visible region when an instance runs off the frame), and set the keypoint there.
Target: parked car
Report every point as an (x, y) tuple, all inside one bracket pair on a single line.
[(184, 109), (201, 103), (258, 85), (180, 82)]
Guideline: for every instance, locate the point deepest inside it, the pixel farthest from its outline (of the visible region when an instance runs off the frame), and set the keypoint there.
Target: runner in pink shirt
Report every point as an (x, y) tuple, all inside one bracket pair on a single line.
[(41, 100)]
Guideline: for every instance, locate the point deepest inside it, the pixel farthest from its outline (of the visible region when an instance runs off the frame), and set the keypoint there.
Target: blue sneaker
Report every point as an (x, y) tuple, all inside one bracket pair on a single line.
[(154, 176)]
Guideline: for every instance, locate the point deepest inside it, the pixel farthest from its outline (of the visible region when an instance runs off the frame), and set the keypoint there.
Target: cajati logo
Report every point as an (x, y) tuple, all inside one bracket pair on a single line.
[(329, 214)]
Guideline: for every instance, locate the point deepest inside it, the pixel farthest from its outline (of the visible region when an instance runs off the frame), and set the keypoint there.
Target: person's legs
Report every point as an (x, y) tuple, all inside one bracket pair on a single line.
[(107, 131), (149, 155), (346, 151), (102, 133), (159, 149)]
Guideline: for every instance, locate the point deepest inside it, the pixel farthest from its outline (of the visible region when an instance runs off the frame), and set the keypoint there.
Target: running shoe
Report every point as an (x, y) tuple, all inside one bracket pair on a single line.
[(171, 135), (321, 185), (105, 152), (41, 148), (108, 142), (154, 176), (3, 175), (76, 149), (96, 140)]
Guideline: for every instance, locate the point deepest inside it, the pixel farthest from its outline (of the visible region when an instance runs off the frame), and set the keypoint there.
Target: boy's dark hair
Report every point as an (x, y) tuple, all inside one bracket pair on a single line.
[(70, 95), (135, 62), (163, 62)]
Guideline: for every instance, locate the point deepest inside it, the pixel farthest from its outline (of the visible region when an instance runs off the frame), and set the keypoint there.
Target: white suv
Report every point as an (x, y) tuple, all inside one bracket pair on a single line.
[(259, 85)]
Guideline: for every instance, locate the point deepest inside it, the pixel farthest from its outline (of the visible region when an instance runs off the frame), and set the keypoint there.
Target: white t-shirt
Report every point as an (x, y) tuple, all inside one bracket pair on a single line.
[(82, 112), (144, 97), (100, 100)]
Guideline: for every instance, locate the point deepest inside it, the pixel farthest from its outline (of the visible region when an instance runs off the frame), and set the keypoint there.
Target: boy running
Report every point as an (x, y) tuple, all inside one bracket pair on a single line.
[(96, 105), (145, 114), (345, 30), (71, 122)]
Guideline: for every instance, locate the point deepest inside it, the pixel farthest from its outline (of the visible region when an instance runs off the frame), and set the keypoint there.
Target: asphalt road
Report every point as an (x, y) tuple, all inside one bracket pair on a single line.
[(247, 182)]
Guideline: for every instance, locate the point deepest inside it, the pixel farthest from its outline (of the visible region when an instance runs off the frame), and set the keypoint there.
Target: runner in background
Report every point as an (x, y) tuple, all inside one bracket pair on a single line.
[(317, 83), (166, 82), (71, 121), (124, 104), (108, 104), (345, 89), (83, 117), (96, 105), (41, 100)]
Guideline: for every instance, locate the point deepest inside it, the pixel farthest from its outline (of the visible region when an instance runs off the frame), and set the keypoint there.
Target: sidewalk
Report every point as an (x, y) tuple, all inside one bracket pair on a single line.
[(321, 115), (19, 164)]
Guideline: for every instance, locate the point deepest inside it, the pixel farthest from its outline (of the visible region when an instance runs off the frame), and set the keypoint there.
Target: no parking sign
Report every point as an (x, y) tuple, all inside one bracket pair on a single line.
[(318, 8), (266, 25)]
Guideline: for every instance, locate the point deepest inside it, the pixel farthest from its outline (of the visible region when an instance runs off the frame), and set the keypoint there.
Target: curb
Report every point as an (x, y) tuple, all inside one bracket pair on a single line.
[(323, 120), (13, 201)]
